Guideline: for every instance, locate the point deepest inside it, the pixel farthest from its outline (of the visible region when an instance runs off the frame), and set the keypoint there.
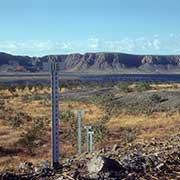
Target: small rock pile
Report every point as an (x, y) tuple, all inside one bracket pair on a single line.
[(154, 160)]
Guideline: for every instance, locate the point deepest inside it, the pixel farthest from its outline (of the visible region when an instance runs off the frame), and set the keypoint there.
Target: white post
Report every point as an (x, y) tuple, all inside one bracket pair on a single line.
[(88, 128), (90, 141), (79, 137)]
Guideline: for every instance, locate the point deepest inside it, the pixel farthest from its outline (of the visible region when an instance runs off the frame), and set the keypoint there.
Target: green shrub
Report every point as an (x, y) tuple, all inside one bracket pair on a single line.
[(29, 137), (101, 133), (127, 134), (66, 116), (15, 121), (3, 86), (156, 98), (142, 86), (37, 96), (123, 87), (101, 99), (12, 89), (70, 119)]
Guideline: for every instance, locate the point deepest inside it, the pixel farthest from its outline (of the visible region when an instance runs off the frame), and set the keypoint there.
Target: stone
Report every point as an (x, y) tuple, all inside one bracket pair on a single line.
[(103, 166)]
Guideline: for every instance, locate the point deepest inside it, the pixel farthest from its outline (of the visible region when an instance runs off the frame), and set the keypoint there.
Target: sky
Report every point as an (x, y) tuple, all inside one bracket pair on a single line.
[(41, 27)]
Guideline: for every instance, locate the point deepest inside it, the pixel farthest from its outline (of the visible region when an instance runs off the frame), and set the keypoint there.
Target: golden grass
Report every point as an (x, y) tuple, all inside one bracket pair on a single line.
[(156, 125), (36, 108), (8, 135)]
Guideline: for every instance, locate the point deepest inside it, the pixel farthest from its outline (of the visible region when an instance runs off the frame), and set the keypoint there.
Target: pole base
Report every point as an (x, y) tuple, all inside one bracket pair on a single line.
[(56, 166)]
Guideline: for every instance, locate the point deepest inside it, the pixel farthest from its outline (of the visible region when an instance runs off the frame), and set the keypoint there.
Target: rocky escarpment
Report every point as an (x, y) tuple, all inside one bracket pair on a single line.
[(95, 62)]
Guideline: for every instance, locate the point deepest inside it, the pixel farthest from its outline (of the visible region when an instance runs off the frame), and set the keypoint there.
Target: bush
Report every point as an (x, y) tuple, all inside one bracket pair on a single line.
[(29, 137), (123, 87), (156, 98), (12, 89), (142, 86), (66, 116), (3, 86), (71, 120), (100, 99), (15, 121), (127, 134), (100, 132), (37, 97)]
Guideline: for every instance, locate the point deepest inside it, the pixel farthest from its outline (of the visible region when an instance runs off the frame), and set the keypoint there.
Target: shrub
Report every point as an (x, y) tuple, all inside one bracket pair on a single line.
[(37, 96), (156, 98), (71, 120), (15, 121), (100, 132), (66, 116), (12, 89), (123, 87), (100, 99), (142, 86), (29, 137), (127, 134), (3, 86)]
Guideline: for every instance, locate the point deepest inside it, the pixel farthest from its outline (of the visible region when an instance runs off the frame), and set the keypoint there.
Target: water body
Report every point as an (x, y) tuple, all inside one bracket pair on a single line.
[(39, 78), (133, 77)]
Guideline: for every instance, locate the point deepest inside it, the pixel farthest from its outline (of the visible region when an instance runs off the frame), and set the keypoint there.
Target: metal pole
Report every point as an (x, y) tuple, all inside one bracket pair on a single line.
[(55, 115), (79, 139), (88, 128), (90, 141)]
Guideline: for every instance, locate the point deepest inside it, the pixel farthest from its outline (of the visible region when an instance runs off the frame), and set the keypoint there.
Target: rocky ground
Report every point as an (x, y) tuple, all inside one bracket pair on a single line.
[(158, 159)]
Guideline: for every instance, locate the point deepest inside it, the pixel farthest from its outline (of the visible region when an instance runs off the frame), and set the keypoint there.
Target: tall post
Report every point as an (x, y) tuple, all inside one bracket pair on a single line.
[(79, 128), (79, 139), (88, 128), (90, 140), (55, 114)]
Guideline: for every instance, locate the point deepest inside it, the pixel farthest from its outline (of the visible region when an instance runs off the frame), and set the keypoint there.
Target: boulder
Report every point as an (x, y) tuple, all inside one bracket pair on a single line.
[(102, 167)]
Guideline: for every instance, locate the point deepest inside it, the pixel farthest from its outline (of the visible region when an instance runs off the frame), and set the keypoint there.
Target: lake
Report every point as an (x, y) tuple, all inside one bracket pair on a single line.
[(41, 77)]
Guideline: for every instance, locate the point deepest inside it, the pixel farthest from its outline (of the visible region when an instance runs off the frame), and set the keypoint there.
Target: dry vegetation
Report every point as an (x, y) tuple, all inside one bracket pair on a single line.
[(23, 108)]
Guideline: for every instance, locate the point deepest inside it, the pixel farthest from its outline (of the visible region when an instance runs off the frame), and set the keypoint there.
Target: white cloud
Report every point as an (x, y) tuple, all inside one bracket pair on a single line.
[(142, 45), (93, 43), (156, 44)]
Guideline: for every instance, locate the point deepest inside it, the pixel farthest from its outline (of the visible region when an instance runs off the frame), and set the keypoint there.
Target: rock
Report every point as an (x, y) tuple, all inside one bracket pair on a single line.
[(26, 167), (104, 167), (60, 178), (115, 148), (12, 176), (134, 162), (44, 164)]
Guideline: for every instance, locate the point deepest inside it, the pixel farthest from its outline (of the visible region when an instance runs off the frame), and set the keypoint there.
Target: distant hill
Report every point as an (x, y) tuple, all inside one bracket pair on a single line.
[(95, 63)]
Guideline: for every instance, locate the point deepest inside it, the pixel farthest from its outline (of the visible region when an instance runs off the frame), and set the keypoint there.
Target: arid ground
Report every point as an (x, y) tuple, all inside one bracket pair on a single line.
[(120, 113)]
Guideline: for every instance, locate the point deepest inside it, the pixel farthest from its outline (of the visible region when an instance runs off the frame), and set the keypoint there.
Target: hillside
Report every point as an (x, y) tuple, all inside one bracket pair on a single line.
[(95, 63)]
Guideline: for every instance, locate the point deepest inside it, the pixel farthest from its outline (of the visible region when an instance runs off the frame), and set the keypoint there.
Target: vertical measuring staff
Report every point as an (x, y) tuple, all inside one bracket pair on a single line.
[(55, 114)]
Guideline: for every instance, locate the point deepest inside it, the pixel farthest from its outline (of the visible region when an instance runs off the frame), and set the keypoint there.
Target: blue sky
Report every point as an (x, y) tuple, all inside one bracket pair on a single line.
[(40, 27)]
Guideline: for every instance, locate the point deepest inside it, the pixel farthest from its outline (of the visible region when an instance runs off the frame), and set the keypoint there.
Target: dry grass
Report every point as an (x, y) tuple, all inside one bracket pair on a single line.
[(156, 125), (8, 135), (36, 108)]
